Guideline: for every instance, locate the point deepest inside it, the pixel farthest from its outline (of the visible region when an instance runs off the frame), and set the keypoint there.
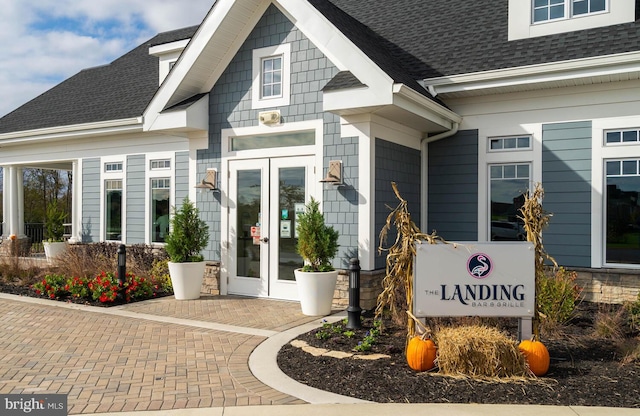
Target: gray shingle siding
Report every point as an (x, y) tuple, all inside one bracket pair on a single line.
[(90, 200), (453, 187), (566, 178), (341, 202), (231, 106), (181, 176), (399, 164), (135, 199)]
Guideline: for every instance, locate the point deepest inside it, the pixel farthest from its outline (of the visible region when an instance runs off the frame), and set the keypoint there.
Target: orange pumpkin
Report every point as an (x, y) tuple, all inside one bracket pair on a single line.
[(537, 356), (421, 353)]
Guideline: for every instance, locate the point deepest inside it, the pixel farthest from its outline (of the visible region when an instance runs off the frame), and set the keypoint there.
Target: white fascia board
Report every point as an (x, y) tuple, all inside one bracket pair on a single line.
[(344, 101), (166, 48), (194, 117), (416, 103), (194, 48), (102, 128), (540, 73), (339, 50)]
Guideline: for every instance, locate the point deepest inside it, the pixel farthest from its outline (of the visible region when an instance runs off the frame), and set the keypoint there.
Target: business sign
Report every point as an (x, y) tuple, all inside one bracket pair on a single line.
[(474, 279)]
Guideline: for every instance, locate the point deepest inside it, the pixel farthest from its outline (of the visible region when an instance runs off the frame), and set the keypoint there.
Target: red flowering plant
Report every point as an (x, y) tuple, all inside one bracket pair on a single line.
[(138, 288), (105, 287), (52, 286), (78, 287)]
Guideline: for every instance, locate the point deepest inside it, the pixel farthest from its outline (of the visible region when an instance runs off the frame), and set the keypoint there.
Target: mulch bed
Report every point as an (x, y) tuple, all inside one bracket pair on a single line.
[(585, 371)]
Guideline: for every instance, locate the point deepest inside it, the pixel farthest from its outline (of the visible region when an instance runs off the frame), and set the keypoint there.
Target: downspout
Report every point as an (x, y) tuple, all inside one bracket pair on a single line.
[(424, 171)]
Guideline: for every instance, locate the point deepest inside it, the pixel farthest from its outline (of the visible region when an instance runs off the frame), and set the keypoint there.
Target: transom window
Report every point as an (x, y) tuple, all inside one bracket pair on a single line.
[(272, 77), (623, 136), (623, 211), (509, 143), (113, 167), (508, 186), (161, 164), (546, 10), (269, 141)]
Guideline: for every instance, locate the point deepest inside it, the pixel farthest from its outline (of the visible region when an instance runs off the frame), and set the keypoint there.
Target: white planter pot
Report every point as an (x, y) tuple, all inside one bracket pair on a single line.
[(315, 290), (53, 250), (186, 279)]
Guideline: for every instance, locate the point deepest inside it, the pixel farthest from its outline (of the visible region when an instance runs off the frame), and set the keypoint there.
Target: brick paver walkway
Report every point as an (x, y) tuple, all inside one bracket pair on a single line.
[(110, 363)]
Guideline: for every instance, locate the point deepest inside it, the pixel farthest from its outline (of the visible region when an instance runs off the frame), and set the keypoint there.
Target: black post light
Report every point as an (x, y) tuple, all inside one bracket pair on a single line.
[(354, 310), (122, 264)]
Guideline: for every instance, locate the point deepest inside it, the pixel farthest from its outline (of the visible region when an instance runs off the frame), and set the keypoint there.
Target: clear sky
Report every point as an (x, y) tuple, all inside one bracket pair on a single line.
[(43, 42)]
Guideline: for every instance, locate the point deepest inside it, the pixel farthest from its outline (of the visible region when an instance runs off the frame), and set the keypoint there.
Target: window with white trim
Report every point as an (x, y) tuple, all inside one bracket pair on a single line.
[(113, 167), (630, 136), (160, 207), (160, 164), (547, 10), (508, 184), (271, 76), (622, 220), (113, 209), (497, 144)]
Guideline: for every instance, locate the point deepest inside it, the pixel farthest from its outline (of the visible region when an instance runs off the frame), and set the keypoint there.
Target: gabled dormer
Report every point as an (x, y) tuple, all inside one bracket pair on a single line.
[(168, 54), (533, 18)]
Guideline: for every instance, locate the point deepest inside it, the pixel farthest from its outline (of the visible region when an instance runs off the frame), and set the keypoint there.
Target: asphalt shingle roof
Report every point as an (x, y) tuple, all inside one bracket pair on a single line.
[(409, 39), (432, 38)]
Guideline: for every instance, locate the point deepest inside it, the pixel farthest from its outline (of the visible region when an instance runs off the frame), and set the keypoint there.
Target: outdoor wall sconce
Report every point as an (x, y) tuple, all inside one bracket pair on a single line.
[(334, 173), (209, 181)]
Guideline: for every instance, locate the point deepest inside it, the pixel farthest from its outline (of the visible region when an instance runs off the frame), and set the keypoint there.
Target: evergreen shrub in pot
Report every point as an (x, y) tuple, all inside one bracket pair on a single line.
[(187, 237), (317, 245), (54, 243)]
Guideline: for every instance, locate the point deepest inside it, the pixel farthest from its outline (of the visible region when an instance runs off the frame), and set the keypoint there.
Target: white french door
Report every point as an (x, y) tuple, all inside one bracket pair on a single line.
[(265, 195)]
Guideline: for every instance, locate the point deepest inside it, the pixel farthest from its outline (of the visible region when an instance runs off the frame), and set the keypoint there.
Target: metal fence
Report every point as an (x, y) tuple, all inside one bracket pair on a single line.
[(35, 231)]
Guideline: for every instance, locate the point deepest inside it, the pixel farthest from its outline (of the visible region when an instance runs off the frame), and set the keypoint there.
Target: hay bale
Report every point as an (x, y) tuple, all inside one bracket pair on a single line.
[(479, 351)]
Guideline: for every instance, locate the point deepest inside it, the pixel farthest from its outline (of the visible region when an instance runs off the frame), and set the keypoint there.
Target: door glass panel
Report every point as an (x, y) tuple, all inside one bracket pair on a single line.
[(292, 191), (248, 226)]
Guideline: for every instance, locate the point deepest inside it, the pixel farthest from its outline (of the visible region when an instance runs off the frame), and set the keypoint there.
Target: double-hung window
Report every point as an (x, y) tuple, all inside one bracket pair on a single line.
[(548, 10), (622, 211)]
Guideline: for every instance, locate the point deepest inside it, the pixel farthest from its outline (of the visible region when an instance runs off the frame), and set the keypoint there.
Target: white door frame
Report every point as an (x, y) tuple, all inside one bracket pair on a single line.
[(229, 155)]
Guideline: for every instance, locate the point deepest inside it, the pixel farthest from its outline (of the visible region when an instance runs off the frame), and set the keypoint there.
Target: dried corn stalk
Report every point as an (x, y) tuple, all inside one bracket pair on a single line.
[(398, 281), (535, 220)]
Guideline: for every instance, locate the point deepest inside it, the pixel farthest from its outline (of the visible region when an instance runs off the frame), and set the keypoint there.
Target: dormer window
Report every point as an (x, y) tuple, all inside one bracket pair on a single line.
[(533, 18), (271, 77), (546, 10), (168, 54)]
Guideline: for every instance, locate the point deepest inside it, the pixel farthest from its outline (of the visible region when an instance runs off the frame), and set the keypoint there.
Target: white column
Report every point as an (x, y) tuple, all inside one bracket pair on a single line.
[(5, 202), (20, 202), (76, 222), (12, 214)]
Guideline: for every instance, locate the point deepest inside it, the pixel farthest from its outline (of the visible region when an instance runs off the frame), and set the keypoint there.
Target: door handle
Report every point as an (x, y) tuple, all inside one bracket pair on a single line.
[(265, 239)]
